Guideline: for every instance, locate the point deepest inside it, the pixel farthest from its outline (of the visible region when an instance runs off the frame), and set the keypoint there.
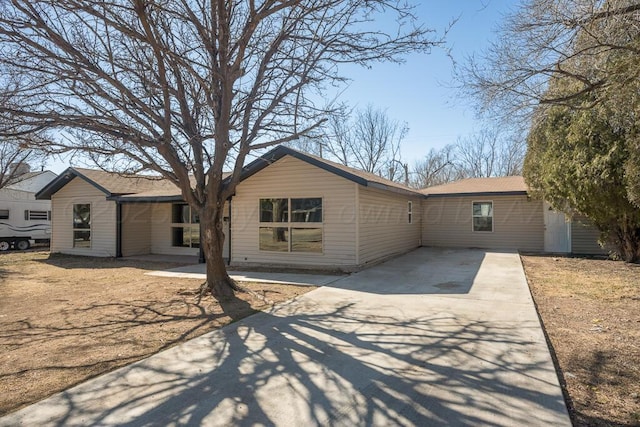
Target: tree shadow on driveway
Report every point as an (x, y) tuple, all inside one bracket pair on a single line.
[(339, 366)]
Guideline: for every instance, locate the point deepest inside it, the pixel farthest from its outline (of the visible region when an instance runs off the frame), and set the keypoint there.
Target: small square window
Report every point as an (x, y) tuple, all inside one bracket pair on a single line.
[(4, 213)]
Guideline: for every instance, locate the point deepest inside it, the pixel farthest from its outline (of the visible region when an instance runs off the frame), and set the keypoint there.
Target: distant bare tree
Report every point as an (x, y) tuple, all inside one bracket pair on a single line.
[(368, 140), (186, 87), (487, 153), (437, 167)]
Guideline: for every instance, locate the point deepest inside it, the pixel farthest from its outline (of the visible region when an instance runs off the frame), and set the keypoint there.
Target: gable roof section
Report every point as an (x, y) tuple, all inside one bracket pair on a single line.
[(111, 184), (360, 177), (499, 186), (137, 188)]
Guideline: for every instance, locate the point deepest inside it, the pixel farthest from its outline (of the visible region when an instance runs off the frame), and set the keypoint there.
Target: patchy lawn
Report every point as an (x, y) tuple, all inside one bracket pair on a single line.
[(591, 313), (65, 319)]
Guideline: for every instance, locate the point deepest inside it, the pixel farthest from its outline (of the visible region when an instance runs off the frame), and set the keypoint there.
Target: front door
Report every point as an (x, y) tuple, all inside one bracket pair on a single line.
[(557, 231)]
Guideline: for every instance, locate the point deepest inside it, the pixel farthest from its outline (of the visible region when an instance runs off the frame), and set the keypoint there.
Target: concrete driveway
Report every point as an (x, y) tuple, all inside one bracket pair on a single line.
[(433, 337)]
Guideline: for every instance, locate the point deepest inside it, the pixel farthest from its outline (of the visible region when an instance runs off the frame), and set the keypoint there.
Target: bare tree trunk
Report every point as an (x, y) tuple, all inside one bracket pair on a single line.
[(218, 283)]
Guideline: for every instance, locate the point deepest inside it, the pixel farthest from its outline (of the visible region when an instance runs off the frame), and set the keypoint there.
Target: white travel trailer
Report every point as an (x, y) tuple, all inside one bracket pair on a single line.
[(23, 219)]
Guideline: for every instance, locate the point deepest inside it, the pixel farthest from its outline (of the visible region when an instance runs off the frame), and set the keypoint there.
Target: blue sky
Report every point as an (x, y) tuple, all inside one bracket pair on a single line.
[(420, 92)]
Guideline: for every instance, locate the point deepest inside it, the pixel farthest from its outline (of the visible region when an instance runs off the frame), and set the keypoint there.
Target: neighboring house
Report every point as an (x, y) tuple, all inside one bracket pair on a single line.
[(295, 209), (23, 219)]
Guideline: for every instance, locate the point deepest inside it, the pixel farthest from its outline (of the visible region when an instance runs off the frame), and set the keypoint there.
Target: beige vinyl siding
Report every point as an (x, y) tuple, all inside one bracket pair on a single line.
[(384, 224), (293, 178), (161, 232), (584, 237), (103, 220), (518, 223), (136, 229)]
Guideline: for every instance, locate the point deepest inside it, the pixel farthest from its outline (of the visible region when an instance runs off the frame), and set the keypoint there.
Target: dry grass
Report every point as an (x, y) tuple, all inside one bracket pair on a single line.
[(65, 319), (591, 313)]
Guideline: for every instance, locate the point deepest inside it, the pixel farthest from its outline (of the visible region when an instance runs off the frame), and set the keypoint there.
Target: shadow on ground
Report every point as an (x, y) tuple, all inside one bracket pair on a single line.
[(335, 368)]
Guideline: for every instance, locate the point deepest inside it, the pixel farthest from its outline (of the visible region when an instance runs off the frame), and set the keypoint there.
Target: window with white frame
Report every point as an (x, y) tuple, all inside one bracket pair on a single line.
[(4, 213), (82, 225), (482, 216), (410, 212), (185, 226), (291, 225)]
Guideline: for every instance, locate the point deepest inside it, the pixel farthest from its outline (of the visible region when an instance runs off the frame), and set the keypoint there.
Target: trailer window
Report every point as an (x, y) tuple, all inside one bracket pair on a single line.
[(4, 213), (37, 215)]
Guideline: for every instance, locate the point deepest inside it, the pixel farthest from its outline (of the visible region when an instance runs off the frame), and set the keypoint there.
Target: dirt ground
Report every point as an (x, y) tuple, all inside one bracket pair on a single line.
[(66, 319), (591, 313)]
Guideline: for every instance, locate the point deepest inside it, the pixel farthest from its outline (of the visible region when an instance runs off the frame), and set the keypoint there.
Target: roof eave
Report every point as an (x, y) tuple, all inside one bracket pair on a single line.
[(63, 179), (480, 194), (146, 199)]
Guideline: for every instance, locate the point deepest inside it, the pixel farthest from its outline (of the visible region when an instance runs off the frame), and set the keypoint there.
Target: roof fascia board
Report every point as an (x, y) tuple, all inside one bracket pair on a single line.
[(398, 190), (145, 199), (481, 194)]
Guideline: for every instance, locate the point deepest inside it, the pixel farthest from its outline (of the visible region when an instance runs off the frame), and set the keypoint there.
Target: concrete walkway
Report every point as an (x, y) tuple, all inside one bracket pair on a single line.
[(197, 271), (434, 337)]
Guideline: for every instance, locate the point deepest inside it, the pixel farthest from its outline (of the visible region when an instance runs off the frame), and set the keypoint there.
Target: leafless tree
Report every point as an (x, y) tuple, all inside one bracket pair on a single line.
[(12, 157), (16, 157), (184, 87), (437, 167), (366, 139), (489, 152), (545, 39)]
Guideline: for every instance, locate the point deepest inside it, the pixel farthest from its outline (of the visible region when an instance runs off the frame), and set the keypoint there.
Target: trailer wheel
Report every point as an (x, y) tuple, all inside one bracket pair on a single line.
[(5, 245), (23, 245)]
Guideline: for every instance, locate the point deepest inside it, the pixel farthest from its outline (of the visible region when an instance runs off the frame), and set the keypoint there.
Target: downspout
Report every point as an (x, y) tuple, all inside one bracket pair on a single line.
[(357, 221), (201, 259), (118, 229), (229, 236)]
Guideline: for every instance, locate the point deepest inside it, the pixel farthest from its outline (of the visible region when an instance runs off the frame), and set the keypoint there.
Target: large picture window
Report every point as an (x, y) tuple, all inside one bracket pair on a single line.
[(482, 216), (82, 225), (291, 225), (185, 226)]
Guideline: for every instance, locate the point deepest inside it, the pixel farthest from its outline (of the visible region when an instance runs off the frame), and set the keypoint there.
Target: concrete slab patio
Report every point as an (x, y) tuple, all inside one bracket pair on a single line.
[(433, 337)]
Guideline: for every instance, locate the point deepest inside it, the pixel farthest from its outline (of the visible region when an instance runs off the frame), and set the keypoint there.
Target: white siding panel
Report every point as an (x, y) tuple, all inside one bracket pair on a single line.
[(290, 177), (136, 229), (103, 220), (384, 224), (518, 223)]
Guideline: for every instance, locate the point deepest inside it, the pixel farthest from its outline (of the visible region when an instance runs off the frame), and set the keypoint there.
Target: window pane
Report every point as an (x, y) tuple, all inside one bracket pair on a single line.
[(483, 223), (306, 210), (274, 210), (82, 216), (81, 238), (178, 237), (194, 236), (274, 239), (482, 209), (306, 240), (180, 214), (4, 213)]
